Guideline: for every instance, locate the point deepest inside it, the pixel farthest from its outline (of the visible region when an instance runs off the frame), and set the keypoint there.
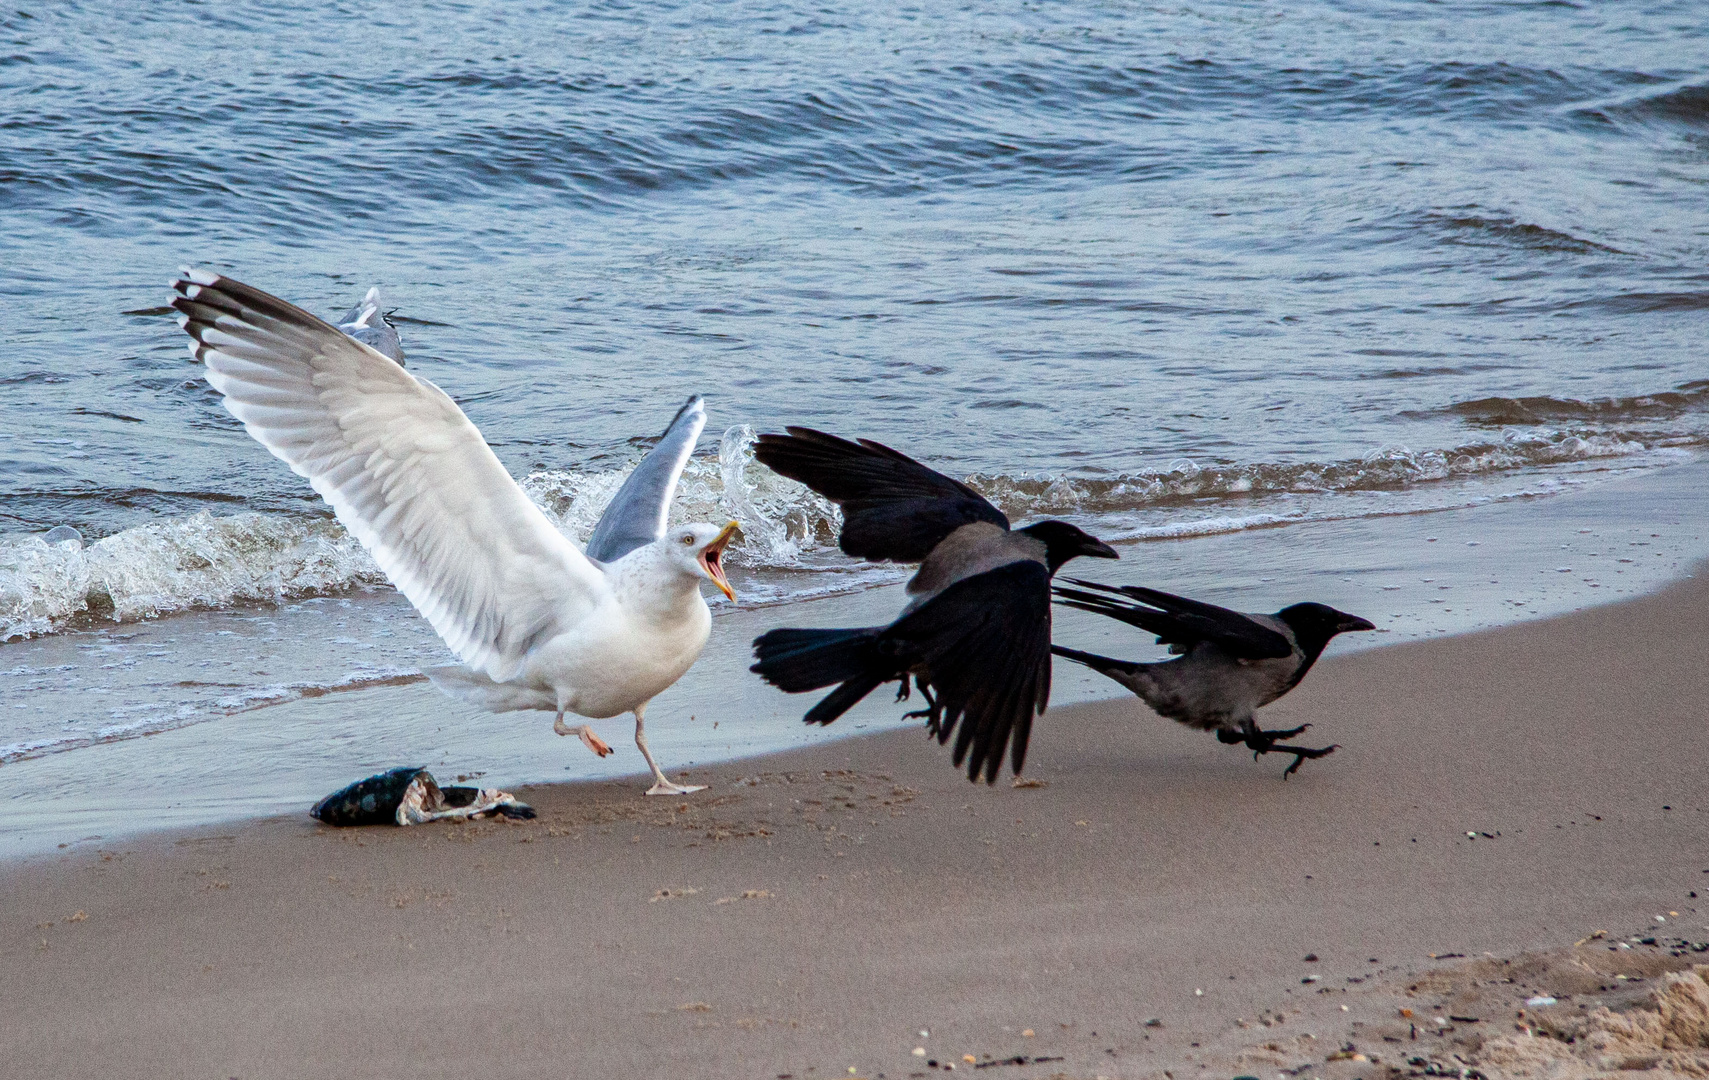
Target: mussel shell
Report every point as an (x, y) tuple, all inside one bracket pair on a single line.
[(373, 801)]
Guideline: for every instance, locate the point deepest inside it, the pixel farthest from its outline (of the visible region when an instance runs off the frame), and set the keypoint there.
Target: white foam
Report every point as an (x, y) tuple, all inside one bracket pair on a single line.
[(788, 532), (174, 565)]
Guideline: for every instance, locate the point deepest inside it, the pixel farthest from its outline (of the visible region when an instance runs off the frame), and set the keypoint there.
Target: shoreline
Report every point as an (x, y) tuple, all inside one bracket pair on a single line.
[(1418, 577), (815, 909)]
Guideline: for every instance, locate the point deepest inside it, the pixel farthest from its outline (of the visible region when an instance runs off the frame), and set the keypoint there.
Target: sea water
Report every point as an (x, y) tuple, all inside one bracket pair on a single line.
[(1261, 292)]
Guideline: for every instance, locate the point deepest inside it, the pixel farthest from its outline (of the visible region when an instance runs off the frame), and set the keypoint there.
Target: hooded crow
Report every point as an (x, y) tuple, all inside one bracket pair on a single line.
[(975, 635), (1231, 664)]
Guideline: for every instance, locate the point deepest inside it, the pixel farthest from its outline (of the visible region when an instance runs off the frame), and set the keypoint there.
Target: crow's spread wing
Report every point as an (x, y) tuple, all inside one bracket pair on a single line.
[(893, 507), (983, 646), (1177, 620)]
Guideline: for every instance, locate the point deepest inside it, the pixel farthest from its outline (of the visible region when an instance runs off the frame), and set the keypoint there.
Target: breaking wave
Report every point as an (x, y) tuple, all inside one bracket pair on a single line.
[(203, 561), (1513, 412)]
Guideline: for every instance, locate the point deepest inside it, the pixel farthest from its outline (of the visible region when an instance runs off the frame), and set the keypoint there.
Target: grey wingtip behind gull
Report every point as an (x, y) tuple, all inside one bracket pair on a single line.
[(368, 324), (637, 514)]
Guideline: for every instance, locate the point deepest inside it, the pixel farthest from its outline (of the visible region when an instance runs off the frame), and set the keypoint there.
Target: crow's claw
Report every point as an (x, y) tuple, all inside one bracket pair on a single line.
[(1301, 754), (1264, 742)]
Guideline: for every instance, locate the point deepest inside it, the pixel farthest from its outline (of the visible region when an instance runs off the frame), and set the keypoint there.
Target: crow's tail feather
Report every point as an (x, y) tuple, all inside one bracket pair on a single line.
[(797, 660), (1104, 665), (843, 698)]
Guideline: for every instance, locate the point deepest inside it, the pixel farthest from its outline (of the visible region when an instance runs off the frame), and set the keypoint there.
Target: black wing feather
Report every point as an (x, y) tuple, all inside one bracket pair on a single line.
[(983, 645), (1177, 620), (893, 507)]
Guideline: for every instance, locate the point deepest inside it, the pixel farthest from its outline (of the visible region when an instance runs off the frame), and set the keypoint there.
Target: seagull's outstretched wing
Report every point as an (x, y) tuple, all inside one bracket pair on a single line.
[(403, 468), (636, 515), (366, 324)]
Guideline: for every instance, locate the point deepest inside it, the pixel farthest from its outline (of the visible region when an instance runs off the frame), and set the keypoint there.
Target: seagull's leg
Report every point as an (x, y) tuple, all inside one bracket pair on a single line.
[(1264, 742), (589, 739), (661, 785)]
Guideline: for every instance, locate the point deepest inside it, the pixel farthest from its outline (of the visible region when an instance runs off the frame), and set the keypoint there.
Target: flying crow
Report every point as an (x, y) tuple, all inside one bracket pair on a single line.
[(1231, 664), (975, 634)]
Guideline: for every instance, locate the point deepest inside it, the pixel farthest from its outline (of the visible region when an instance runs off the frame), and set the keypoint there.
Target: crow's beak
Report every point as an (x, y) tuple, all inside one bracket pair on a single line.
[(712, 559), (1097, 549), (1353, 622)]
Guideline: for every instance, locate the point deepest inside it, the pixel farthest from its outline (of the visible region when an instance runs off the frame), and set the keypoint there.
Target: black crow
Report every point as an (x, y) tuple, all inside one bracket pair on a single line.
[(975, 634), (1231, 664)]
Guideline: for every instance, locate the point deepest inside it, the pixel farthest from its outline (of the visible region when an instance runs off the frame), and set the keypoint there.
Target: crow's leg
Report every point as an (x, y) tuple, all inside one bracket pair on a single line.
[(1260, 741), (1248, 731), (932, 713)]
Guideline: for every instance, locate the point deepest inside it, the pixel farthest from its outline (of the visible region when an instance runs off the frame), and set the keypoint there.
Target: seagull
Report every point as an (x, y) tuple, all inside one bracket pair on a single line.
[(975, 635), (1231, 664), (537, 623), (367, 324)]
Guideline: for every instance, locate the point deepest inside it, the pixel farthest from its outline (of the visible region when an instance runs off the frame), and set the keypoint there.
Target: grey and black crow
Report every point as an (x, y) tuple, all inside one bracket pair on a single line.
[(975, 635), (1231, 664)]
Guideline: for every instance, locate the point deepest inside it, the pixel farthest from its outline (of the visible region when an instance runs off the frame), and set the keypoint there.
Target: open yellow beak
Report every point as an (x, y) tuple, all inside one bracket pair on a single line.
[(712, 559)]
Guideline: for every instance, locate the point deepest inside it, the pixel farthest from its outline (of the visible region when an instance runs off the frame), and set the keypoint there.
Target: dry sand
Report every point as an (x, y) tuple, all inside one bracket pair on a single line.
[(1149, 908)]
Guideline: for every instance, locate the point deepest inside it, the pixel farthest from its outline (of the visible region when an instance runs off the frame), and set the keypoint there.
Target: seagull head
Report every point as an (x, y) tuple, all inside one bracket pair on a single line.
[(1063, 541), (698, 550)]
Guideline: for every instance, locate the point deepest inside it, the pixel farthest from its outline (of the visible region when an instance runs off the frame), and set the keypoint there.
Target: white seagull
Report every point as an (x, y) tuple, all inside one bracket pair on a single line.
[(539, 624)]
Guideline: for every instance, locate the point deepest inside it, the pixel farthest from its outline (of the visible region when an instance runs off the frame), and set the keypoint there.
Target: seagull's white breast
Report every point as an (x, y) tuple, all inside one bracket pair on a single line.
[(648, 631)]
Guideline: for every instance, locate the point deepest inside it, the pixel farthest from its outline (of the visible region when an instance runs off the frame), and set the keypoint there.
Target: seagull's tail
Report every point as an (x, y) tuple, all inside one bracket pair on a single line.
[(799, 660), (475, 688)]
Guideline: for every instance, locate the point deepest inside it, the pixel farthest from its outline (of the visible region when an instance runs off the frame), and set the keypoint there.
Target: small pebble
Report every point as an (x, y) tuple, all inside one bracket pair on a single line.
[(1198, 993), (919, 1051), (1539, 1000)]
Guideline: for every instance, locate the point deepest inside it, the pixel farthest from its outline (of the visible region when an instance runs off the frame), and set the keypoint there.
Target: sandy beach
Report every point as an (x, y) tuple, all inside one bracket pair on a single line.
[(1150, 908)]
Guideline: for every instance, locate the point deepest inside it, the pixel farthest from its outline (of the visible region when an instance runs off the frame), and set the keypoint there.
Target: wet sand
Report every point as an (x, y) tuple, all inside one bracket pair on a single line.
[(1149, 907)]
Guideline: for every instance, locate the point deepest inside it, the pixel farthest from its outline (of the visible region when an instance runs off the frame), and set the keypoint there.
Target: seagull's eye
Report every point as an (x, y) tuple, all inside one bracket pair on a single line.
[(689, 539)]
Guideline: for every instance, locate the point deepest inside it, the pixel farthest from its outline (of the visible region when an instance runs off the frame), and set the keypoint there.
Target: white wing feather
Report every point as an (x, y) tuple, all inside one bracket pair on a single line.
[(402, 467)]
